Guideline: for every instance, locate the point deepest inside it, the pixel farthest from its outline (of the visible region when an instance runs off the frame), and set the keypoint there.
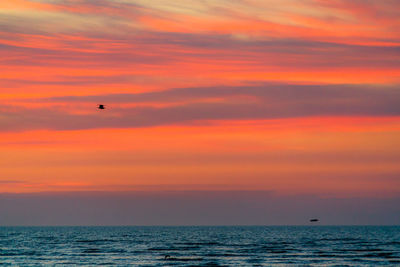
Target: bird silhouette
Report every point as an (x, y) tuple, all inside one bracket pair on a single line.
[(101, 106)]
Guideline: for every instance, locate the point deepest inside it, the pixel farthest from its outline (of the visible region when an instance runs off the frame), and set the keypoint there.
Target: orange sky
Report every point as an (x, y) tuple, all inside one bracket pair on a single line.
[(281, 95)]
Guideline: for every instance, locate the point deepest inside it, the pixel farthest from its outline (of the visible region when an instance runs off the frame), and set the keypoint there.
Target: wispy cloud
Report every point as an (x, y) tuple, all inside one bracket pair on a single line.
[(11, 182), (162, 63), (194, 104)]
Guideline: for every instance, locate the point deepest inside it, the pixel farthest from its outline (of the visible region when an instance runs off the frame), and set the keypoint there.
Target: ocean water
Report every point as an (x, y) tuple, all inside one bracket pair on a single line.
[(201, 246)]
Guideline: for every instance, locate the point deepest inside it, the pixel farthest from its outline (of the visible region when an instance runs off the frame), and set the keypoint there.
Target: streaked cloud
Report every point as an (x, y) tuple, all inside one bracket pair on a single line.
[(214, 103), (245, 94), (11, 182)]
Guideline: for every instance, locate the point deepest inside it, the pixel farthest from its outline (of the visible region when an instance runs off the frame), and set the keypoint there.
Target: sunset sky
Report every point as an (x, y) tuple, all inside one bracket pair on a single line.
[(292, 97)]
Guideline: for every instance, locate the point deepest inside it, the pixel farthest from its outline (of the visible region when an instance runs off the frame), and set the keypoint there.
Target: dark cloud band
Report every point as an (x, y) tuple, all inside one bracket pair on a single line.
[(186, 105)]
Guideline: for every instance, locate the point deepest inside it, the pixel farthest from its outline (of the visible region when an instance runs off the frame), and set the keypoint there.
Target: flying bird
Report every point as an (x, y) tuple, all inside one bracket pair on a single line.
[(314, 220), (101, 106)]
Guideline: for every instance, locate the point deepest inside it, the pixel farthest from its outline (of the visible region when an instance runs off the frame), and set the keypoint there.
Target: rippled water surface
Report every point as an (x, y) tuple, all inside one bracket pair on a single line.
[(201, 246)]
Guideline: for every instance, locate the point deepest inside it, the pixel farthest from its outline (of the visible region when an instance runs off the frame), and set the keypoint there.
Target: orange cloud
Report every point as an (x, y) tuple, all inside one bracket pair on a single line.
[(188, 91)]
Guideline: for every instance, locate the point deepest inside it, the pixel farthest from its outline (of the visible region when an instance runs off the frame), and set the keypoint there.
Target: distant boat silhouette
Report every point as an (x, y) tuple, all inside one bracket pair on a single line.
[(314, 220), (101, 106)]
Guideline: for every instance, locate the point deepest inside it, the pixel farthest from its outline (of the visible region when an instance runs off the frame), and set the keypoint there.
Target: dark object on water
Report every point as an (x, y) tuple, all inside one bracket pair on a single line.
[(166, 257), (101, 106), (314, 220)]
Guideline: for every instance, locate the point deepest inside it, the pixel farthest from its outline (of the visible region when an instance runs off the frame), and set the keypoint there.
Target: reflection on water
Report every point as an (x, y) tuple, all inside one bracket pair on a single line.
[(216, 246)]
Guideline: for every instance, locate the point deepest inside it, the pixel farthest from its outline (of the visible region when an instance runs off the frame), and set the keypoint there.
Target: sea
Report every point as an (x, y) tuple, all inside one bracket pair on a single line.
[(201, 246)]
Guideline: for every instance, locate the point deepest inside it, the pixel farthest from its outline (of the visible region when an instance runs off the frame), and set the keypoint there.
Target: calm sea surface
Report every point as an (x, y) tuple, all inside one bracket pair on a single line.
[(201, 246)]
